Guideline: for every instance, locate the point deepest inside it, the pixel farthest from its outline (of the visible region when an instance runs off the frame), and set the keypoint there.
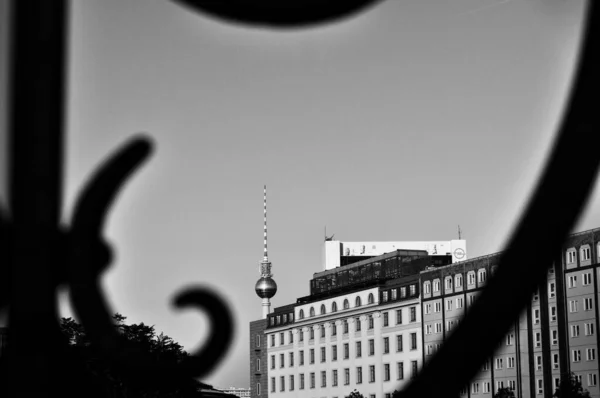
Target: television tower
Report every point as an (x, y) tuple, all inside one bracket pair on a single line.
[(265, 287)]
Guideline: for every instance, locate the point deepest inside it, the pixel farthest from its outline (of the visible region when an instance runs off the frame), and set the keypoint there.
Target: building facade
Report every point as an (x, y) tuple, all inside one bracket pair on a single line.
[(372, 324)]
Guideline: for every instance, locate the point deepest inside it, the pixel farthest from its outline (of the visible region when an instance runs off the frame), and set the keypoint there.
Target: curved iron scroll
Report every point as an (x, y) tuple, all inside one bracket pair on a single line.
[(37, 93)]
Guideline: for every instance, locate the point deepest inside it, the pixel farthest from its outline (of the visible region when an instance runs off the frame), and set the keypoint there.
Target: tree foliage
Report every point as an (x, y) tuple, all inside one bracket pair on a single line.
[(570, 387), (504, 393), (355, 394), (160, 349)]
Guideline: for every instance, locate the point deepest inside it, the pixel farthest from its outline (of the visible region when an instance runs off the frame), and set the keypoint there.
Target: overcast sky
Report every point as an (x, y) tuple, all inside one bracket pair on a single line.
[(399, 124)]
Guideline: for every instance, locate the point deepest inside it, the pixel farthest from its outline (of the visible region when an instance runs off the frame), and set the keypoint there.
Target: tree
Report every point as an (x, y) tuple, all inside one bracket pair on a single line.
[(570, 387), (160, 349), (355, 394), (504, 392)]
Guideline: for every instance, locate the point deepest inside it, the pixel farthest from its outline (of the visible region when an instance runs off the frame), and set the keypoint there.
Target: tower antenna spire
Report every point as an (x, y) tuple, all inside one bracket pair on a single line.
[(459, 232), (265, 251)]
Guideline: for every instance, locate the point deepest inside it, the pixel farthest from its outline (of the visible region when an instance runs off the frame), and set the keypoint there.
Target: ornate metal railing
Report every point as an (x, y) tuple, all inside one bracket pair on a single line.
[(39, 254)]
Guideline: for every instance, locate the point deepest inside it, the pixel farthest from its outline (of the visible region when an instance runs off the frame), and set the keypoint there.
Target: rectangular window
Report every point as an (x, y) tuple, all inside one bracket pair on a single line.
[(538, 362), (358, 349), (386, 371), (536, 316), (281, 339), (510, 363), (552, 290), (590, 354), (281, 360), (301, 353), (475, 388), (413, 290), (486, 387), (399, 345), (302, 381), (398, 317), (498, 363), (386, 345), (400, 370), (414, 369), (346, 376), (333, 329), (499, 384), (587, 304), (272, 384), (282, 383), (257, 364), (394, 294), (323, 356), (587, 278), (384, 296), (386, 319), (371, 373), (272, 361), (553, 313), (371, 322), (585, 254), (312, 333), (589, 329), (438, 327), (573, 306), (540, 386), (459, 302), (555, 361), (486, 365), (334, 376), (449, 325), (572, 281), (358, 325), (371, 347), (323, 378), (554, 337), (413, 341), (359, 375), (258, 340), (402, 292), (437, 307), (257, 388), (510, 338), (427, 309), (291, 337), (272, 339), (448, 305), (538, 339), (576, 355), (413, 314), (345, 326), (334, 353), (312, 380), (291, 382), (312, 355), (346, 351), (322, 327), (571, 257), (300, 335), (592, 379), (291, 358), (574, 330)]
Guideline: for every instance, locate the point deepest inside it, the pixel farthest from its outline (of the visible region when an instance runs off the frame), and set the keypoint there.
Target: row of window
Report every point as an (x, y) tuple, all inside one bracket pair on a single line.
[(413, 345), (486, 387), (392, 294), (588, 329), (281, 319), (412, 317), (586, 279), (588, 304), (458, 281), (358, 377), (585, 253), (334, 308)]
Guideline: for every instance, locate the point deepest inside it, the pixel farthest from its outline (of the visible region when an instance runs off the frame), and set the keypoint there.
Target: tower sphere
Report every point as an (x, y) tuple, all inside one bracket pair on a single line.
[(265, 287)]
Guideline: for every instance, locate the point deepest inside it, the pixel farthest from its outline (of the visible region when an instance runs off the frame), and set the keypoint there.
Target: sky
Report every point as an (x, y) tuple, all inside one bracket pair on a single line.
[(398, 124)]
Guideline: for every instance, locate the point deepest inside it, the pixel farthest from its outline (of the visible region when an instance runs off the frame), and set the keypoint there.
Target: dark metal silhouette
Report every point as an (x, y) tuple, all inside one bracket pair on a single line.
[(40, 255)]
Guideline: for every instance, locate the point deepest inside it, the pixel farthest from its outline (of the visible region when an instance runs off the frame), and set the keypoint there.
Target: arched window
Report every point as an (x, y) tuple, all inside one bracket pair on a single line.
[(346, 304), (357, 303), (471, 277), (448, 282), (322, 309), (371, 299), (427, 287), (334, 307), (458, 280), (482, 275), (312, 311), (301, 314)]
